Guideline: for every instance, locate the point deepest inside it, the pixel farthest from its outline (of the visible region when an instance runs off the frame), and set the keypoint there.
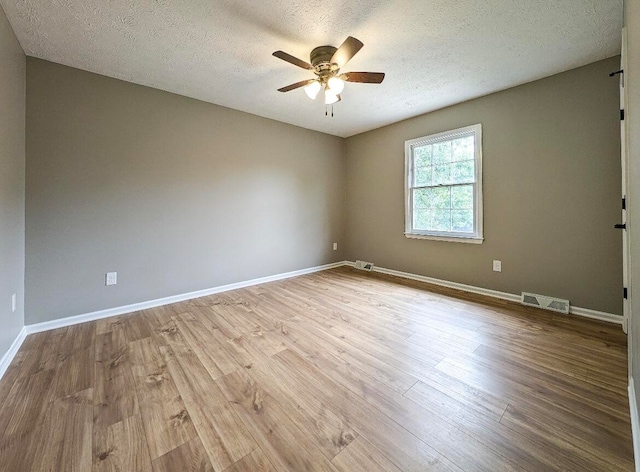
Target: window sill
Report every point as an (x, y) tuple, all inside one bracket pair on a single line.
[(451, 239)]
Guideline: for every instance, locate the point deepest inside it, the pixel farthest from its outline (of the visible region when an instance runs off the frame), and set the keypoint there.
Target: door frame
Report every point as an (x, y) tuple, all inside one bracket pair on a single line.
[(624, 162)]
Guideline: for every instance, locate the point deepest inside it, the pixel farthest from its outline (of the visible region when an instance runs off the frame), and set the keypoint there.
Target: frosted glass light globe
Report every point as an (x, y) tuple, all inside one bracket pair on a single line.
[(330, 97), (336, 85), (312, 89)]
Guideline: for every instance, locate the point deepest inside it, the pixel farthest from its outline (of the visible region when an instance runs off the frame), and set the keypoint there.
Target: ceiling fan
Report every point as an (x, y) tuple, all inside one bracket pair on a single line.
[(326, 62)]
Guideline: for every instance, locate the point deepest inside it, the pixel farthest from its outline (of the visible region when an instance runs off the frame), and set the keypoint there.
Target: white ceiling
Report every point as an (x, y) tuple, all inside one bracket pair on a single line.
[(435, 52)]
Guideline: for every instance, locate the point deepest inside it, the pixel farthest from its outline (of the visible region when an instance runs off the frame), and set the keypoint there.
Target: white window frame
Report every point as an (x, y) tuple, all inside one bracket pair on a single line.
[(475, 237)]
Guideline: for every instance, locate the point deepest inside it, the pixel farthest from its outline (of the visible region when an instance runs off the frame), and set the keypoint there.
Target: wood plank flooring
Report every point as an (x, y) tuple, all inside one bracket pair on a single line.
[(334, 371)]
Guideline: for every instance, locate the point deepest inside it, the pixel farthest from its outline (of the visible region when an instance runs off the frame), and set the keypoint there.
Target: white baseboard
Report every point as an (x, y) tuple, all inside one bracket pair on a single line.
[(13, 350), (121, 310), (574, 310), (445, 283), (597, 315), (96, 315), (635, 425)]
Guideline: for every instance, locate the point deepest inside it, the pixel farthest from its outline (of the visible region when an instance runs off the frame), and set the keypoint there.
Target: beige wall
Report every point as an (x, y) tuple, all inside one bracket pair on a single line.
[(179, 195), (12, 134), (632, 80), (174, 194), (551, 171)]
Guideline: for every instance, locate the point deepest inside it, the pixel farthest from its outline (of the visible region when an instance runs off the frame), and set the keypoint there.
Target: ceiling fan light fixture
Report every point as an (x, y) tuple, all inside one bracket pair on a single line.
[(336, 85), (312, 89), (329, 97)]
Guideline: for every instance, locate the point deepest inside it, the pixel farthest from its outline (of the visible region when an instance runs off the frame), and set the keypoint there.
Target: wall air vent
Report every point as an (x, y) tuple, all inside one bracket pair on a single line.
[(548, 303), (362, 265)]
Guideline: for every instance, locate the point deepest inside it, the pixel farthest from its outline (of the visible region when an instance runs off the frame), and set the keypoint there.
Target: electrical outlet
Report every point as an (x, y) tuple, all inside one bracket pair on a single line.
[(14, 302), (497, 266), (335, 246), (111, 278)]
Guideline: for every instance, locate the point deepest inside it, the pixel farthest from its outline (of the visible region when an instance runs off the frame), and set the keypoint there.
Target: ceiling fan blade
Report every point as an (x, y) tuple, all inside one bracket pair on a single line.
[(288, 88), (292, 60), (364, 77), (346, 51)]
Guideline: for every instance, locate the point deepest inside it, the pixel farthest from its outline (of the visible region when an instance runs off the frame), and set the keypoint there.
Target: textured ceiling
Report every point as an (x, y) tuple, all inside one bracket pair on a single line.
[(435, 52)]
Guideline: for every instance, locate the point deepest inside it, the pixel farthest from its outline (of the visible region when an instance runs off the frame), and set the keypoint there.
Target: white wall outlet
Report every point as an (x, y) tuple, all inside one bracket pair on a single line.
[(335, 246), (497, 266), (111, 278), (14, 302)]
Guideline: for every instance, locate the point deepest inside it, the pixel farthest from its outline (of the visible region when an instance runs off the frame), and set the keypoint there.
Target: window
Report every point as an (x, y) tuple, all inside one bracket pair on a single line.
[(444, 186)]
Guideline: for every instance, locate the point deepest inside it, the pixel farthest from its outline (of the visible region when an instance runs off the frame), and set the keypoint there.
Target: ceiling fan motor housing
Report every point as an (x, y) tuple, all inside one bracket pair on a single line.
[(321, 60)]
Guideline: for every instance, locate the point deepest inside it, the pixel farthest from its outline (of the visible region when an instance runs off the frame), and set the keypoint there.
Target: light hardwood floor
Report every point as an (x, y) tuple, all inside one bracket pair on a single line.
[(335, 371)]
